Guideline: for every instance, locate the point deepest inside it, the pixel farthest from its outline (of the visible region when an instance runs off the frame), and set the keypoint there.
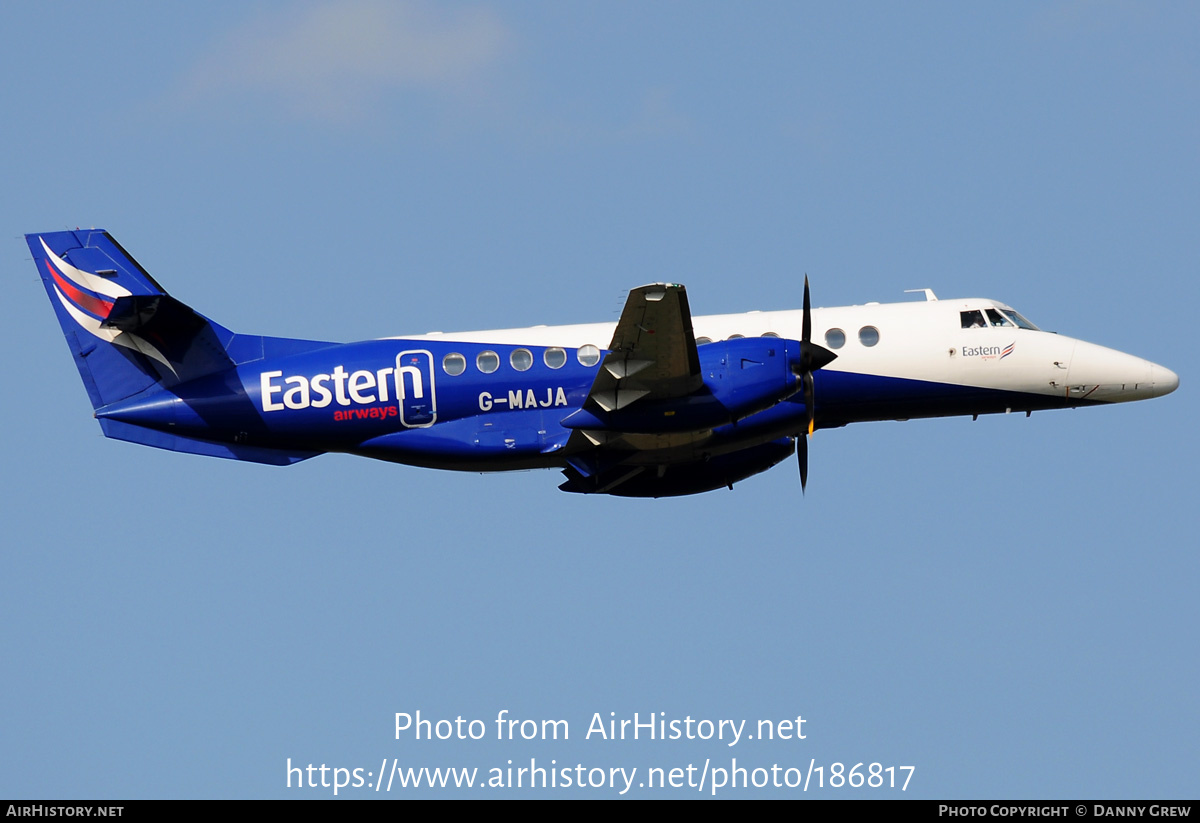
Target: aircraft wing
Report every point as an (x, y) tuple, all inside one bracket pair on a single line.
[(653, 351), (652, 358)]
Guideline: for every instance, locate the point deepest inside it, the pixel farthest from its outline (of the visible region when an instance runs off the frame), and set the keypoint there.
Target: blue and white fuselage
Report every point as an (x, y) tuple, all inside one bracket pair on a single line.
[(657, 404)]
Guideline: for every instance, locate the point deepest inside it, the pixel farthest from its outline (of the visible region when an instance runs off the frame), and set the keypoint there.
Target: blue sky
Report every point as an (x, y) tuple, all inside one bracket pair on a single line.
[(1008, 605)]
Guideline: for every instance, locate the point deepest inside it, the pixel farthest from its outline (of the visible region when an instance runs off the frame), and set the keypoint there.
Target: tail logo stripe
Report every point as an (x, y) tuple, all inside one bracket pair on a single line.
[(92, 305), (83, 279), (86, 321), (88, 310)]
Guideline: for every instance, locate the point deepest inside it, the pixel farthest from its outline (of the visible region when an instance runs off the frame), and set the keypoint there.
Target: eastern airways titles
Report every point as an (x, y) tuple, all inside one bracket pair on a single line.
[(348, 387), (650, 727)]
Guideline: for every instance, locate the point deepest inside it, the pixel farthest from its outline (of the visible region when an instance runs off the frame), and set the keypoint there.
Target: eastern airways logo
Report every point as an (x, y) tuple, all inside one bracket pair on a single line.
[(988, 352), (410, 383)]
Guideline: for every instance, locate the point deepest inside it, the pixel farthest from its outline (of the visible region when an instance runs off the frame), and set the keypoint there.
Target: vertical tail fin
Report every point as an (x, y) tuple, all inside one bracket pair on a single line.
[(124, 331)]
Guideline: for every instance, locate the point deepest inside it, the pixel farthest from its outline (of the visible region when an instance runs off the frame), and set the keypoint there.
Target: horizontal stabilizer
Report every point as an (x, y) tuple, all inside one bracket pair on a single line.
[(191, 445), (186, 340)]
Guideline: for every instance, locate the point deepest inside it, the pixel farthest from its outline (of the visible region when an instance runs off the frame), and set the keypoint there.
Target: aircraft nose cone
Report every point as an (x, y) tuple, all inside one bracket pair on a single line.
[(1163, 379), (1111, 376)]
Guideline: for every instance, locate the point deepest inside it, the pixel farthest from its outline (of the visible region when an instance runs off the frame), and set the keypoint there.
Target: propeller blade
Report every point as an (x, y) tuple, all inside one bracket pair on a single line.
[(806, 381), (812, 357), (802, 457), (806, 332)]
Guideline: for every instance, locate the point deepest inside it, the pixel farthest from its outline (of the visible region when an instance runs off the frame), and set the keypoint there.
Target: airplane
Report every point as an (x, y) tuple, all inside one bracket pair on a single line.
[(660, 404)]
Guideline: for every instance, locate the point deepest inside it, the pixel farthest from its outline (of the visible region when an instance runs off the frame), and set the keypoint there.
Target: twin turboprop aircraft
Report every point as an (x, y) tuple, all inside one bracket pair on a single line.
[(661, 404)]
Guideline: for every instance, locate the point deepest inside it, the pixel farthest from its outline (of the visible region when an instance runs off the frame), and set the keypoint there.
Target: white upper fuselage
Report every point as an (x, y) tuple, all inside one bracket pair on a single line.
[(918, 340)]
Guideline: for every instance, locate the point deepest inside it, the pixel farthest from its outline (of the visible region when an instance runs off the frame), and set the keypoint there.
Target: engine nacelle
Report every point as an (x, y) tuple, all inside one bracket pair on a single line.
[(741, 377), (682, 478)]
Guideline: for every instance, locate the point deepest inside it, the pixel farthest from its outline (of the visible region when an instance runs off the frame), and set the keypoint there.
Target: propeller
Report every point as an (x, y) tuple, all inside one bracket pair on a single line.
[(812, 357)]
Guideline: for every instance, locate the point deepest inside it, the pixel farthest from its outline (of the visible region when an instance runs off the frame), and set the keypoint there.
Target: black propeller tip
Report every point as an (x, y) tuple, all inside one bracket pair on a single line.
[(802, 458)]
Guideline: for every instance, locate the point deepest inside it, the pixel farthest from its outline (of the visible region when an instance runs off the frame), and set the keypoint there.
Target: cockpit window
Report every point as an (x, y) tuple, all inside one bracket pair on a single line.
[(973, 319), (998, 319), (1021, 321)]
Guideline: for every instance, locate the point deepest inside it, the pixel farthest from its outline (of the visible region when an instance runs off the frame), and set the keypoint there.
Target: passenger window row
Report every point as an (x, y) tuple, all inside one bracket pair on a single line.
[(488, 362), (834, 338)]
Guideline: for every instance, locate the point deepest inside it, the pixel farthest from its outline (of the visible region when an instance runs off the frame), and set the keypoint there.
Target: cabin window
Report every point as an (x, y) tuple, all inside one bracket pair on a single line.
[(735, 337), (868, 336), (521, 359), (588, 355), (973, 319), (769, 334), (701, 341), (835, 338), (555, 358), (487, 362), (454, 364)]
